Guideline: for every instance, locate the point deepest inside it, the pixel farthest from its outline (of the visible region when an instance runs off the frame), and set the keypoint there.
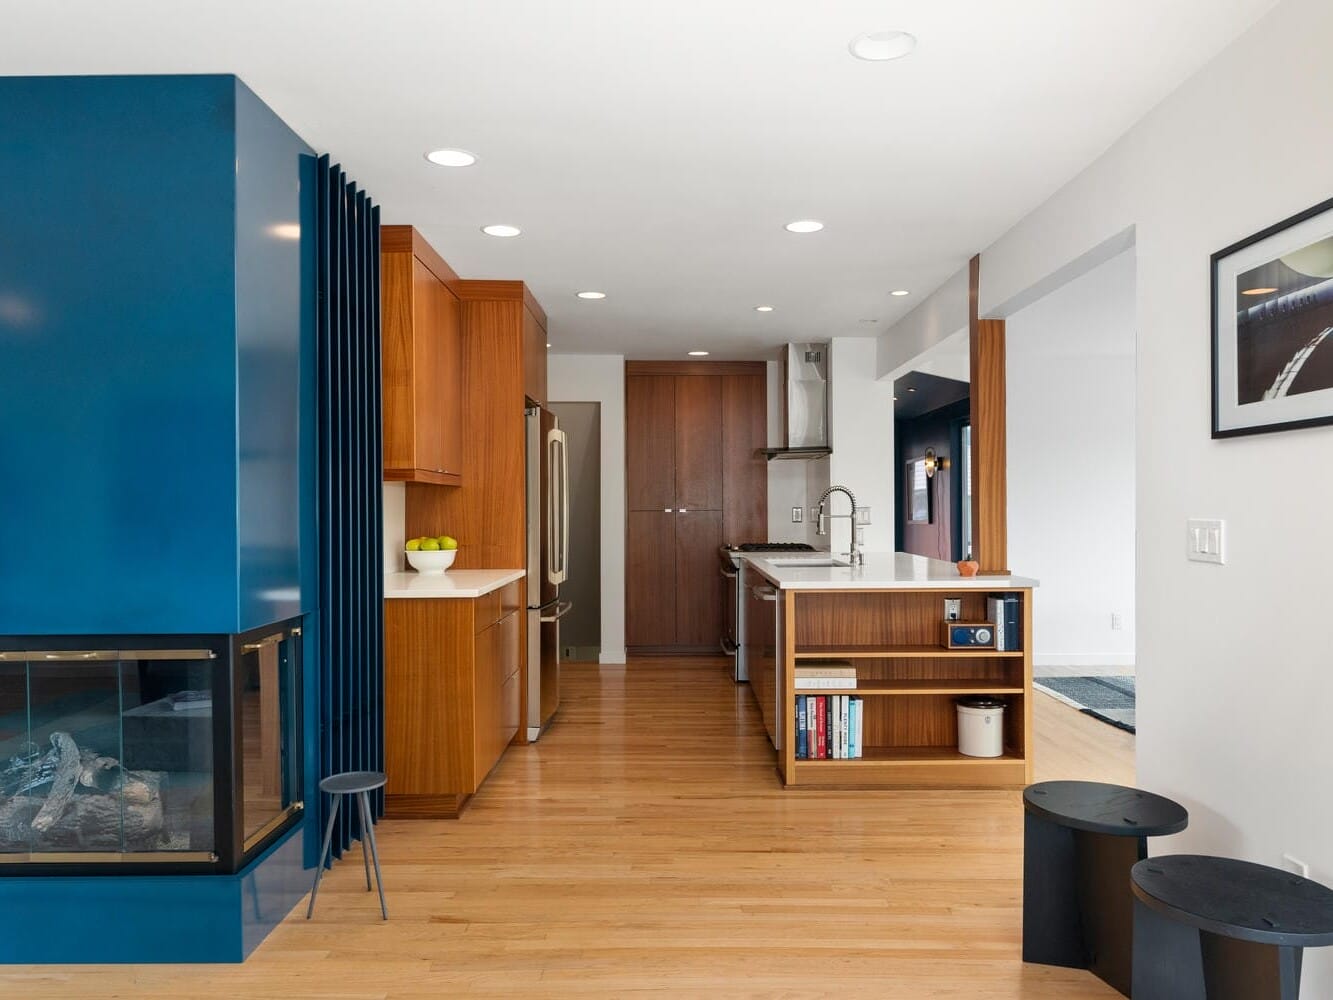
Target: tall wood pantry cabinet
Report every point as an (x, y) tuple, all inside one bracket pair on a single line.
[(694, 480)]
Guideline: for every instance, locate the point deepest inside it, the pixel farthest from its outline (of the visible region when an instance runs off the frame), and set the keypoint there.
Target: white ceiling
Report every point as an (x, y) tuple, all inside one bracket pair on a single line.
[(654, 149)]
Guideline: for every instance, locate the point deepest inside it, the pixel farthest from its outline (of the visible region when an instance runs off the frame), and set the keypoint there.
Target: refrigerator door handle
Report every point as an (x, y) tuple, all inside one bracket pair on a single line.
[(558, 455), (561, 609)]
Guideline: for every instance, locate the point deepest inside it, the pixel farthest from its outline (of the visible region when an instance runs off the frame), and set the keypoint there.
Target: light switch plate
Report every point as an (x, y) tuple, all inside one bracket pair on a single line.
[(1205, 540), (797, 515)]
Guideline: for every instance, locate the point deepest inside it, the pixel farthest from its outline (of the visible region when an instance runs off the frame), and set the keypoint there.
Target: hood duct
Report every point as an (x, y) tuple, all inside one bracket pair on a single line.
[(806, 396)]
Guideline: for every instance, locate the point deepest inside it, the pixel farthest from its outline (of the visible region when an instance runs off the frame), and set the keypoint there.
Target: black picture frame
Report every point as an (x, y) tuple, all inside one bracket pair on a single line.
[(918, 505), (1294, 311)]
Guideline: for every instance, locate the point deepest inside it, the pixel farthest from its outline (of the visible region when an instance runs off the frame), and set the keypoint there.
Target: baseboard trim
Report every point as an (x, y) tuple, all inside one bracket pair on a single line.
[(611, 656), (1083, 660)]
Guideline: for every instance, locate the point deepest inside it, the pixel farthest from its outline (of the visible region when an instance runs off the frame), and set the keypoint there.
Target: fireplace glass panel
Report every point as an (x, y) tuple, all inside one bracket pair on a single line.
[(270, 785), (106, 752)]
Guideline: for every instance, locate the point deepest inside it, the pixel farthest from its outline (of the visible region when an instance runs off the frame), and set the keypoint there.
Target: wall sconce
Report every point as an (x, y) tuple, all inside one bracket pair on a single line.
[(934, 463)]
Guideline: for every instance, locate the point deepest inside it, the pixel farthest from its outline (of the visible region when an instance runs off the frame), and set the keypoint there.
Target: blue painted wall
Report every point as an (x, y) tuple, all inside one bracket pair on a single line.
[(154, 323)]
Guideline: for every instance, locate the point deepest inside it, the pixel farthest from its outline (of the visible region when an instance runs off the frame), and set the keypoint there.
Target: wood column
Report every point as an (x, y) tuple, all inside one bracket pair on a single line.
[(990, 527)]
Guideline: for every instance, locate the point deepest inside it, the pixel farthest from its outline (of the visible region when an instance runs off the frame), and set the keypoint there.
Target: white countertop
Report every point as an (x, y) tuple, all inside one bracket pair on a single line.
[(451, 583), (881, 571)]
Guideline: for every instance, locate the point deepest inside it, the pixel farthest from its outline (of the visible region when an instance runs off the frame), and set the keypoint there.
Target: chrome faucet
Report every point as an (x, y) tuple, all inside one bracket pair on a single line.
[(821, 522)]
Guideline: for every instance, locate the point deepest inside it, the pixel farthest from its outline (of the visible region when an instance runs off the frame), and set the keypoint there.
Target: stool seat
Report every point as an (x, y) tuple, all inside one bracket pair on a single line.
[(1237, 899), (1221, 929), (352, 781), (1114, 810)]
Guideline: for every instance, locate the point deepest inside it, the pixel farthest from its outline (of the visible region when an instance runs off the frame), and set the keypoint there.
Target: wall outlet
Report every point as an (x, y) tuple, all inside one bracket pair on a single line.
[(797, 515), (1296, 865), (953, 609), (1117, 621), (569, 652)]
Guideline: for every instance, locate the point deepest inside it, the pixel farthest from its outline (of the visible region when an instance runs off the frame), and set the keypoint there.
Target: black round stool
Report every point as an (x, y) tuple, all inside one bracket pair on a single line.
[(1080, 840), (1220, 929)]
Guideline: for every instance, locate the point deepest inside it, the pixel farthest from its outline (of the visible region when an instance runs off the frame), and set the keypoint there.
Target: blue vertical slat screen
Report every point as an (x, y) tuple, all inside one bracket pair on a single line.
[(351, 723)]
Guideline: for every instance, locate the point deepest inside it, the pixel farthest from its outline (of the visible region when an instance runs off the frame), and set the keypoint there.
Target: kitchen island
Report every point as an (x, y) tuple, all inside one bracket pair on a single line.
[(883, 621)]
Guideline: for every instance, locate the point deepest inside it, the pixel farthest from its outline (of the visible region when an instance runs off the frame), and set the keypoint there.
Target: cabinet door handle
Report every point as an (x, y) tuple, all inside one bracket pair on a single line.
[(666, 510), (681, 510)]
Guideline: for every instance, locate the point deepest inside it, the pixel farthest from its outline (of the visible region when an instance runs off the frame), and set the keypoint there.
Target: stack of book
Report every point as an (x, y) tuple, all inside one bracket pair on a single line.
[(1005, 613), (825, 675), (829, 726)]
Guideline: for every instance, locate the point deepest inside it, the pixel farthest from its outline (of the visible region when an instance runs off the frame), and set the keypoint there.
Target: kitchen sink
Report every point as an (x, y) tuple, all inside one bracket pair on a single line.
[(817, 561)]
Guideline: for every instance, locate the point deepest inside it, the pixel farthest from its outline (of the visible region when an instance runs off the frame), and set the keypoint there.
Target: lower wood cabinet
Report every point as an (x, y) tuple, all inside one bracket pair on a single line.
[(451, 697)]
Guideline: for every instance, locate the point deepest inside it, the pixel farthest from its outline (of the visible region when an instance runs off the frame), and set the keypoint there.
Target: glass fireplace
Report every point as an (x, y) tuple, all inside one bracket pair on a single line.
[(149, 753)]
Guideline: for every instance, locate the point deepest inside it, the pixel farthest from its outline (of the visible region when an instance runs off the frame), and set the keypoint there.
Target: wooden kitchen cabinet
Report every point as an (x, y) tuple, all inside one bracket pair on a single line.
[(451, 697), (694, 481), (422, 361)]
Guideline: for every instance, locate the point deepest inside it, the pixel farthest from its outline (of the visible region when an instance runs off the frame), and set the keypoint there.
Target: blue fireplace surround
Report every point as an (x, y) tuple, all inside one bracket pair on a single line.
[(157, 440)]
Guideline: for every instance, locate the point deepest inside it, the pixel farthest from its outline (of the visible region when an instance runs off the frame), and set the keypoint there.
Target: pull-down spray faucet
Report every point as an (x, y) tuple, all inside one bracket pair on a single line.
[(822, 527)]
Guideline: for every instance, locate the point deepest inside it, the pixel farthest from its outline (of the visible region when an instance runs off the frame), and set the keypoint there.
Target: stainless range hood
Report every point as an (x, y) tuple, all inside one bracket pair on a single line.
[(805, 413)]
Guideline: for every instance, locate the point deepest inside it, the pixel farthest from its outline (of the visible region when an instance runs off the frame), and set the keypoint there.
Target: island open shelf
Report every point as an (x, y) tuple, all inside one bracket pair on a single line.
[(906, 679)]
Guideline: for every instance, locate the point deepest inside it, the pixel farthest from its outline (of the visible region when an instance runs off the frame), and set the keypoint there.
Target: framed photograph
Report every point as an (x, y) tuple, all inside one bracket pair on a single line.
[(918, 492), (1273, 328)]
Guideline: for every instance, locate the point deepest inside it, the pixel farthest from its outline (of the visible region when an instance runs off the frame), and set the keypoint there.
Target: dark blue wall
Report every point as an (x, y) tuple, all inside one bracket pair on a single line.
[(153, 317)]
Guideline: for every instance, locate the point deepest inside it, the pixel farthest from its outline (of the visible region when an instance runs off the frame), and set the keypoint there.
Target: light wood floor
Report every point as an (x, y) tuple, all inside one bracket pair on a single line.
[(644, 847)]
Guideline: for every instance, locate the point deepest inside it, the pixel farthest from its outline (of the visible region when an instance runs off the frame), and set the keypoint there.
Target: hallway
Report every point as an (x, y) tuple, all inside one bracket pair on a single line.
[(644, 847)]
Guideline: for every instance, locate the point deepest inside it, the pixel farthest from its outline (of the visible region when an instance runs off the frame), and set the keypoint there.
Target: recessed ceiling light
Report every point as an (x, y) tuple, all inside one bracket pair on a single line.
[(805, 226), (1259, 291), (451, 157), (911, 388), (900, 292), (881, 46), (591, 295), (548, 345), (763, 309), (895, 399), (502, 231), (698, 354)]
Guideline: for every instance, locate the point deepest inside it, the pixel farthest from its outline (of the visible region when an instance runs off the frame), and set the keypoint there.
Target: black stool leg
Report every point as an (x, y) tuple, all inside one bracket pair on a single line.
[(323, 853), (1168, 963), (1052, 929), (1247, 970), (1105, 903)]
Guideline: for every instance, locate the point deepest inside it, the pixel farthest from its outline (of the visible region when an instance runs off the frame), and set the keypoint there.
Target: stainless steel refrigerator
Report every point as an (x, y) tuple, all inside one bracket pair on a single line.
[(548, 562)]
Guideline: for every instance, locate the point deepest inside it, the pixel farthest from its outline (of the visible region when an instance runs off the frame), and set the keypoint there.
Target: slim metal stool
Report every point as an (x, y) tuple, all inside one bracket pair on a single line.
[(357, 783)]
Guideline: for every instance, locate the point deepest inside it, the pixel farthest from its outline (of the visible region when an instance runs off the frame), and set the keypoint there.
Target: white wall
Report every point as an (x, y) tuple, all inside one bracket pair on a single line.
[(395, 527), (1070, 390), (600, 378), (861, 435), (1232, 697)]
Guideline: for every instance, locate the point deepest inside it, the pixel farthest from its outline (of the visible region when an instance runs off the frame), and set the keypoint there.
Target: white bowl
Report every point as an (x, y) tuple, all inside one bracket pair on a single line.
[(431, 563)]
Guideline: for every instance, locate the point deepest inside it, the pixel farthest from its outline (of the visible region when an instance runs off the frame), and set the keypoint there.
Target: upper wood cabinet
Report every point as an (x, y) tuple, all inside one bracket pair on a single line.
[(423, 361)]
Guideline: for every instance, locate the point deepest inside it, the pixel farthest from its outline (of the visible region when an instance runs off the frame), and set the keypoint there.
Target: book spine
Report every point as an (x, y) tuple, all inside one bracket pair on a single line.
[(846, 726), (860, 727), (1013, 604), (819, 726), (837, 729), (800, 727)]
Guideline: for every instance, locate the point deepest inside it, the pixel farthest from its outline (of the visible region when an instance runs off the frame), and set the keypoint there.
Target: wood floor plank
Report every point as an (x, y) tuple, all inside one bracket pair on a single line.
[(644, 847)]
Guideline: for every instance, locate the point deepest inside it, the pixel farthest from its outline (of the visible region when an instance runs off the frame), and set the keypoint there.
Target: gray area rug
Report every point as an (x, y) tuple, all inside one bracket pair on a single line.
[(1110, 699)]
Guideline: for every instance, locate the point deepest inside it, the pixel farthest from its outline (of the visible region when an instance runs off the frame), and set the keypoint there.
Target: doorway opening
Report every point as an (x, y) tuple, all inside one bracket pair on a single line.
[(581, 629)]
